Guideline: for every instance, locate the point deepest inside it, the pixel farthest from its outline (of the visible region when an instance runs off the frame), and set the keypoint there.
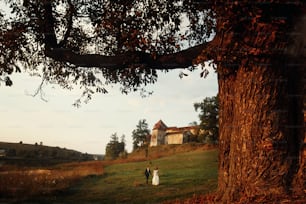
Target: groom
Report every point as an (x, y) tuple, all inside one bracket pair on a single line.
[(147, 173)]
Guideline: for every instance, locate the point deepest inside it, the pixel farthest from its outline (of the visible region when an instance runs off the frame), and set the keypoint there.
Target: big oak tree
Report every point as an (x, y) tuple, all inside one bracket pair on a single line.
[(257, 48)]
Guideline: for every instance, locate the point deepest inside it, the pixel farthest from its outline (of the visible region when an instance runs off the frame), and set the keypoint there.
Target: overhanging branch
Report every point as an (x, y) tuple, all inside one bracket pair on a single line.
[(182, 59)]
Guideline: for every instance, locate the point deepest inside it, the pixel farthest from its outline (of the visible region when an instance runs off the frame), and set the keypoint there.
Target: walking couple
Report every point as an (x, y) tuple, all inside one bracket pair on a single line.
[(155, 179)]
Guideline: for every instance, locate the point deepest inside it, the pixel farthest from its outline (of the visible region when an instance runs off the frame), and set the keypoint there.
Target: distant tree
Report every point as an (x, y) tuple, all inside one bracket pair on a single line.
[(86, 157), (114, 148), (122, 142), (122, 154), (194, 123), (140, 134), (209, 115)]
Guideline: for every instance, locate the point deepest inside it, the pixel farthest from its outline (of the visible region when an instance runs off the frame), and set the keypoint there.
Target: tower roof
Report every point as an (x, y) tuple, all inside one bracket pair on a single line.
[(160, 125)]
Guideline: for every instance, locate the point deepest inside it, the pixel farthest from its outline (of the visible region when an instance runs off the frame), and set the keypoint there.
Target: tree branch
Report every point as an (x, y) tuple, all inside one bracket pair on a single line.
[(48, 25), (71, 12), (182, 59)]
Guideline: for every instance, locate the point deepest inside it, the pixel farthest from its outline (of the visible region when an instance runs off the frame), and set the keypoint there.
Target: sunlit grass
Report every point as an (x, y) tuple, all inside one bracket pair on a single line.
[(181, 176)]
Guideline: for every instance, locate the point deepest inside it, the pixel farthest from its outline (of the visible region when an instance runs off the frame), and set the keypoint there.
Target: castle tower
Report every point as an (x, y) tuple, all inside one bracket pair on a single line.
[(158, 133)]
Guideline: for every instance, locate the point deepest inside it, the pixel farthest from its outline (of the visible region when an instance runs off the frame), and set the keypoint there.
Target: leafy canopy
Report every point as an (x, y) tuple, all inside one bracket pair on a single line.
[(98, 43), (120, 41)]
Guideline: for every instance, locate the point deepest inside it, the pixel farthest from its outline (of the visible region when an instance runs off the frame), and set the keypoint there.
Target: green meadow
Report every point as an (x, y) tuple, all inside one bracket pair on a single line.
[(181, 176)]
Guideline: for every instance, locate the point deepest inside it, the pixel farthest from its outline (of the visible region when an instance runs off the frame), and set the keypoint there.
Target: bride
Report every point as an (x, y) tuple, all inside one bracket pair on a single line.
[(155, 179)]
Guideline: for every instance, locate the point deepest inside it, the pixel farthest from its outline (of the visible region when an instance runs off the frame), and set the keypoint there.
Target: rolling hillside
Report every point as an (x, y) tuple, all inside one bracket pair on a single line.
[(38, 155)]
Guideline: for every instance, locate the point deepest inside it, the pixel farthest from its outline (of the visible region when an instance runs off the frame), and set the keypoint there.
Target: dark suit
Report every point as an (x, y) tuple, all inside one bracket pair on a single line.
[(147, 173)]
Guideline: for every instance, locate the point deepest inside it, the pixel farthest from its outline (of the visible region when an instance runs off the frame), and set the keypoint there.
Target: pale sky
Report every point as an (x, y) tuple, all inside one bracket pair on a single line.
[(88, 128)]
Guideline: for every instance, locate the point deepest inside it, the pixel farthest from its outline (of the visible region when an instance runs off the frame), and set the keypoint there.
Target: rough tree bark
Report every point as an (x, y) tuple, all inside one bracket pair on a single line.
[(259, 133), (261, 124)]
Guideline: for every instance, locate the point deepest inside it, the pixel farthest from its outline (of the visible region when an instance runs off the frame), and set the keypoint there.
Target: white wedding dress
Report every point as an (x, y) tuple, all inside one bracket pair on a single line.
[(155, 179)]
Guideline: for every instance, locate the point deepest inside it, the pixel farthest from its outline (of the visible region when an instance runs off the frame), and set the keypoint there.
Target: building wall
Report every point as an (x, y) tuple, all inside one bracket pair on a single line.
[(176, 138), (158, 137), (161, 134), (153, 141)]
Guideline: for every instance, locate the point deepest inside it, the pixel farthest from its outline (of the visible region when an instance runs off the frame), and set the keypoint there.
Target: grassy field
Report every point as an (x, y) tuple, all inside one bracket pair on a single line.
[(181, 176)]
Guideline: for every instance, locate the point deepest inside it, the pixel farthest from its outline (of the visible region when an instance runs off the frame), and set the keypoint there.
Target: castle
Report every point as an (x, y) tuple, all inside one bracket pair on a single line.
[(161, 134)]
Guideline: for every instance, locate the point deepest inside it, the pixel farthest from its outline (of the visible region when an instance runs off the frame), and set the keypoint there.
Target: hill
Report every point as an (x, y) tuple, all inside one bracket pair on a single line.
[(167, 150), (38, 155)]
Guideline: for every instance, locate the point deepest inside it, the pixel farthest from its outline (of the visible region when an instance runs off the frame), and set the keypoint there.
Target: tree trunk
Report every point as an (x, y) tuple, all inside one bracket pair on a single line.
[(261, 127), (299, 185)]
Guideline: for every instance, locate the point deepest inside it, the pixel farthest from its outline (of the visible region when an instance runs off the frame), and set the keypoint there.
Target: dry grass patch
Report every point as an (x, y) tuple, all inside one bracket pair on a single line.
[(28, 182)]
